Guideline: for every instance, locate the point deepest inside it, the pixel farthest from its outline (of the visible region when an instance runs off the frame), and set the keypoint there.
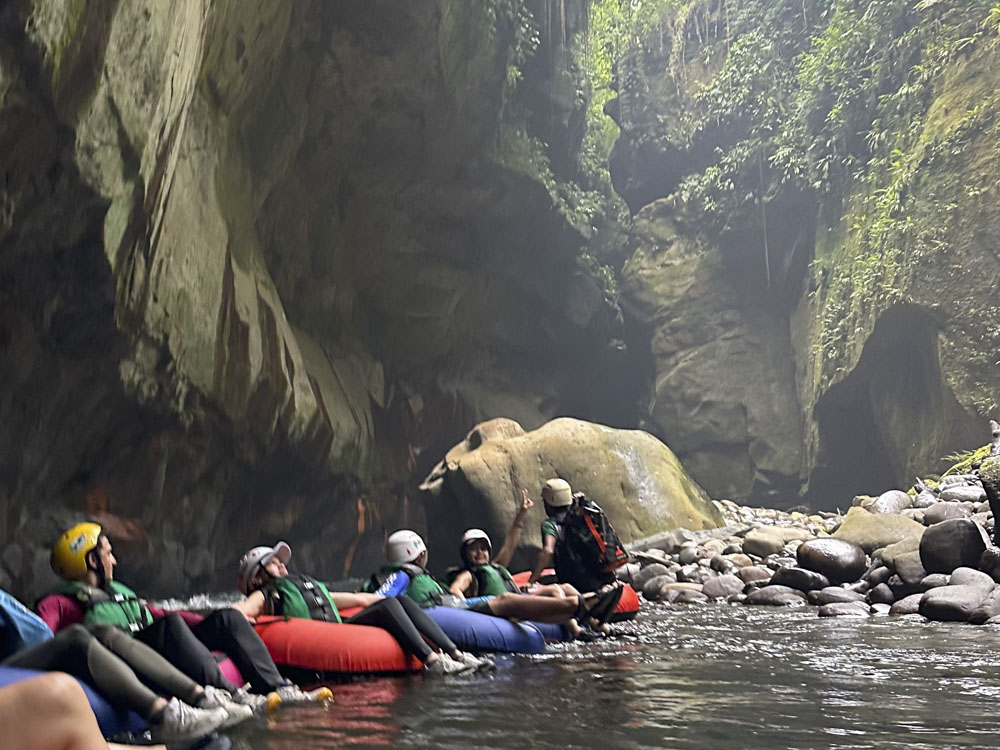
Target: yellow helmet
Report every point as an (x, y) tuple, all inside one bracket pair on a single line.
[(69, 553)]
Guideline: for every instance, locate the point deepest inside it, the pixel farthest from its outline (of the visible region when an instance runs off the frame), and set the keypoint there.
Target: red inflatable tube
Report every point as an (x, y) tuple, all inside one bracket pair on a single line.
[(333, 648), (628, 605)]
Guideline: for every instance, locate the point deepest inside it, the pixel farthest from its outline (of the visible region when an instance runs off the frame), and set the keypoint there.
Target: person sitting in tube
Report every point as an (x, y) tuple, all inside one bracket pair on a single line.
[(483, 575), (406, 573), (270, 589)]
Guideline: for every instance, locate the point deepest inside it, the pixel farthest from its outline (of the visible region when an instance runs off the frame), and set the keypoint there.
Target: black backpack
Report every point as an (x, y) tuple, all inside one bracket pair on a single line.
[(590, 538)]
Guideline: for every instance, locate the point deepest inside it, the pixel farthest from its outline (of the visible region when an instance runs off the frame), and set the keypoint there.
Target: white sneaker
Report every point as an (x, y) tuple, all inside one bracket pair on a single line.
[(295, 694), (256, 702), (445, 665), (219, 698), (180, 722), (476, 662)]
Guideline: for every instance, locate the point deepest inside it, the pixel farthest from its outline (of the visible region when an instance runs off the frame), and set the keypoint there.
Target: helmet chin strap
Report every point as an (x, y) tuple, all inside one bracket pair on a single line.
[(98, 570)]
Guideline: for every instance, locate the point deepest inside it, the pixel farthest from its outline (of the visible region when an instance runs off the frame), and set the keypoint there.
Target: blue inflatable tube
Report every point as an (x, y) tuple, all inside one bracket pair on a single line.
[(472, 631), (111, 721)]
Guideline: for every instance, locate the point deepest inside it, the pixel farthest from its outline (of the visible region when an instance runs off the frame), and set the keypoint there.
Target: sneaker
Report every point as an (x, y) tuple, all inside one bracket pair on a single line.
[(180, 722), (258, 703), (445, 665), (295, 694), (219, 698), (478, 663)]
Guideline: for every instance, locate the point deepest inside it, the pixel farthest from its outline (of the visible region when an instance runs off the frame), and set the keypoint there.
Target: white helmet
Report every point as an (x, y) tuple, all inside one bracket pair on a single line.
[(404, 546), (254, 561), (557, 493), (472, 535)]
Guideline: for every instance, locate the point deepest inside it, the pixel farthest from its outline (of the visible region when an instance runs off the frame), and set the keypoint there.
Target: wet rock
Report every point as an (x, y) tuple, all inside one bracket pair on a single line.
[(987, 609), (844, 609), (925, 499), (694, 574), (647, 573), (832, 594), (944, 511), (964, 493), (909, 568), (754, 574), (722, 587), (799, 578), (989, 563), (774, 562), (687, 555), (651, 589), (880, 609), (881, 574), (628, 571), (738, 559), (721, 565), (690, 597), (914, 514), (763, 542), (777, 596), (838, 560), (909, 605), (901, 589), (934, 580), (952, 603), (670, 591), (890, 553), (714, 546), (893, 501), (971, 577), (873, 531), (952, 544), (881, 594)]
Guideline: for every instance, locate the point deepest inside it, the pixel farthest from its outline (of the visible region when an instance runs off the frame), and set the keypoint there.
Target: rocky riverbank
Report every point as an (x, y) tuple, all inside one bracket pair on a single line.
[(926, 551)]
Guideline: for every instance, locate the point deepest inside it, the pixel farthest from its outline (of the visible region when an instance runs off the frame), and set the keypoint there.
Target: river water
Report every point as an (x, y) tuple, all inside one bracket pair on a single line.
[(714, 676)]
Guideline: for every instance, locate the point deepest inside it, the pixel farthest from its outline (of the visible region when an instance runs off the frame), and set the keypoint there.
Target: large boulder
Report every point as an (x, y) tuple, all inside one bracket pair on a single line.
[(635, 478), (840, 561), (771, 540), (872, 531), (959, 542)]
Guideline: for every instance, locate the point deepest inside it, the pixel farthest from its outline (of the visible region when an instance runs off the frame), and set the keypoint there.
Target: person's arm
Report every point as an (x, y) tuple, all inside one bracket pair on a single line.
[(253, 606), (59, 611), (461, 584), (544, 558), (513, 538), (396, 584), (346, 599)]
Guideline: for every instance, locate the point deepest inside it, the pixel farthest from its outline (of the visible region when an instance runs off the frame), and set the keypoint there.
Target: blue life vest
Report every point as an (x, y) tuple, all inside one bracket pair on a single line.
[(19, 627)]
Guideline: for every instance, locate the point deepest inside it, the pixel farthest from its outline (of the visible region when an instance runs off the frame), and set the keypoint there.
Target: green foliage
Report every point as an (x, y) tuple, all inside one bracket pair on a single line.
[(963, 460)]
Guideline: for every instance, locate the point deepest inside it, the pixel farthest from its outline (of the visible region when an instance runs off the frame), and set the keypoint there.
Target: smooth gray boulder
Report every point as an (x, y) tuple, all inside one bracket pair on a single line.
[(909, 605), (944, 511), (652, 587), (845, 609), (722, 587), (988, 608), (934, 580), (952, 603), (647, 573), (952, 544), (839, 560), (754, 574), (909, 568), (892, 501), (881, 594), (873, 531), (777, 596), (799, 578), (832, 594)]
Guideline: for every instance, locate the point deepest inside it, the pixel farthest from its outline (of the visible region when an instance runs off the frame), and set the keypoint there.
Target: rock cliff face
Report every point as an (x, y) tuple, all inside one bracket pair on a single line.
[(809, 261), (256, 259)]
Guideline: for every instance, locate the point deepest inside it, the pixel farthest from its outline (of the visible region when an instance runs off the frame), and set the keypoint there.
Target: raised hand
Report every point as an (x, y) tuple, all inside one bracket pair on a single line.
[(526, 502)]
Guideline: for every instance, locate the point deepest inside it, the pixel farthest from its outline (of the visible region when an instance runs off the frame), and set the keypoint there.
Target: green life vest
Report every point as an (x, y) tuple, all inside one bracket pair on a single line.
[(423, 586), (115, 604), (299, 595), (493, 580)]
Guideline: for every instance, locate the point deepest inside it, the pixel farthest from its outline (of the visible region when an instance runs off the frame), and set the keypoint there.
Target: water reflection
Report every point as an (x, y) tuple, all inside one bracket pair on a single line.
[(691, 677)]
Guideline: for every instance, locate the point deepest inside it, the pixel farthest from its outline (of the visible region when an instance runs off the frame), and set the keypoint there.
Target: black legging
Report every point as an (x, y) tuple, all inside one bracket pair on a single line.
[(406, 622), (76, 651), (226, 630)]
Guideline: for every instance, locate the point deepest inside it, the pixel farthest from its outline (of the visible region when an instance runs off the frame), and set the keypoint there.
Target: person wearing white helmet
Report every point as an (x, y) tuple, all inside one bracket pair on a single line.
[(270, 589), (484, 575), (406, 573)]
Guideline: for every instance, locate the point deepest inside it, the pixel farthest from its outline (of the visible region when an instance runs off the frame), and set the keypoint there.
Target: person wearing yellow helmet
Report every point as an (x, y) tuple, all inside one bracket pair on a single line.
[(84, 558)]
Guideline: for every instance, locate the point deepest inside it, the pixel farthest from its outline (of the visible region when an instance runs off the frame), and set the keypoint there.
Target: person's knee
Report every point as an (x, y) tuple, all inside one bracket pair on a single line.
[(76, 637), (59, 689)]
